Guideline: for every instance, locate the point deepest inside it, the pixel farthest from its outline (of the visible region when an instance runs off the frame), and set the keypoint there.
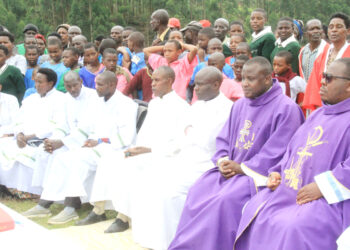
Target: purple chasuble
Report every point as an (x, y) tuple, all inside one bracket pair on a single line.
[(256, 135), (273, 220)]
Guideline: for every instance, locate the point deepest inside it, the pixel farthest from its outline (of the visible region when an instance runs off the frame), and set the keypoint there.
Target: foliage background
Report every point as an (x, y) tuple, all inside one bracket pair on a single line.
[(98, 16)]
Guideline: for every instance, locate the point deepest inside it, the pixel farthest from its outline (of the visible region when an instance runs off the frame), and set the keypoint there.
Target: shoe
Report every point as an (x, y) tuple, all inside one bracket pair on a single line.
[(37, 212), (117, 226), (63, 217), (91, 219)]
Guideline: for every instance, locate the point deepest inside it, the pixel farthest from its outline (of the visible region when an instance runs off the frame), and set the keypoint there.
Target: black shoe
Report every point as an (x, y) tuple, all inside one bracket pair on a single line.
[(117, 226), (91, 219)]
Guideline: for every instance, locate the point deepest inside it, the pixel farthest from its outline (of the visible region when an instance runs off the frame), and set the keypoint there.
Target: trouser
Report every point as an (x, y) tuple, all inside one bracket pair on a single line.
[(68, 202)]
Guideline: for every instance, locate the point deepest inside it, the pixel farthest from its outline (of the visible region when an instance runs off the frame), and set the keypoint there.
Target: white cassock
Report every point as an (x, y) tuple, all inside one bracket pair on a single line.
[(75, 111), (343, 241), (38, 115), (160, 131), (159, 195), (72, 172), (8, 113)]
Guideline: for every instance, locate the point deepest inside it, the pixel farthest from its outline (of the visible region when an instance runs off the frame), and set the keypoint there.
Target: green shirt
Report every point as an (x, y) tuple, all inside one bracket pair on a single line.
[(263, 46), (293, 48), (12, 82), (60, 85)]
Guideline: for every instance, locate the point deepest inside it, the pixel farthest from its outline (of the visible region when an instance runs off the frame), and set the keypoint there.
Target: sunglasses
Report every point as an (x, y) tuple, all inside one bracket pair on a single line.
[(329, 78)]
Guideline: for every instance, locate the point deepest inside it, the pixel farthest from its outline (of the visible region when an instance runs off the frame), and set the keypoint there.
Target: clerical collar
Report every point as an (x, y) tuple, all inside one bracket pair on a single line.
[(283, 44), (167, 95), (274, 91), (338, 108)]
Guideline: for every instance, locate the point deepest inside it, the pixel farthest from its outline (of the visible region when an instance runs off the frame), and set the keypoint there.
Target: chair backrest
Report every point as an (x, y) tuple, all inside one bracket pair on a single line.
[(141, 113)]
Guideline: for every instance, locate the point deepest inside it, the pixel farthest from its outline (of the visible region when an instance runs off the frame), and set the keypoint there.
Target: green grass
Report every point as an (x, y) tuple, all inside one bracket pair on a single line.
[(21, 206)]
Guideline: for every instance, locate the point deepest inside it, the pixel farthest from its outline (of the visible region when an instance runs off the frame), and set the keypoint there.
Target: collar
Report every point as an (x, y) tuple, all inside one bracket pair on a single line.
[(283, 44), (3, 68), (52, 91), (162, 36), (338, 108), (226, 41), (268, 96), (266, 30)]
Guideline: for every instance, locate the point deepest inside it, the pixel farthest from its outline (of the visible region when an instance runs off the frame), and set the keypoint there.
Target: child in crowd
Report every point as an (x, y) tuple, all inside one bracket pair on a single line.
[(236, 27), (109, 60), (263, 41), (70, 58), (11, 77), (287, 41), (238, 66), (234, 41), (31, 55), (183, 67), (136, 42), (93, 66), (291, 83), (243, 49), (55, 53), (204, 36)]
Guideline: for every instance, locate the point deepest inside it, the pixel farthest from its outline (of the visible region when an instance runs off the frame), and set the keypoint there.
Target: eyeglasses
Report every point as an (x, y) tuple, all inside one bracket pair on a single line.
[(329, 78)]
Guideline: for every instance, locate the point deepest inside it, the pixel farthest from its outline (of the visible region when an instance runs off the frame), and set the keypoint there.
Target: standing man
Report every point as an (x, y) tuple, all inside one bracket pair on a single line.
[(29, 30), (221, 28), (159, 24), (191, 32), (116, 34), (258, 129)]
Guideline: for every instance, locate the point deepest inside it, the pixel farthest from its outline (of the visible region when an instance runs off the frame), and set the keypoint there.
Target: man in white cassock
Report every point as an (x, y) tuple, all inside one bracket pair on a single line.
[(67, 136), (158, 136), (111, 127), (36, 121), (8, 113), (157, 197)]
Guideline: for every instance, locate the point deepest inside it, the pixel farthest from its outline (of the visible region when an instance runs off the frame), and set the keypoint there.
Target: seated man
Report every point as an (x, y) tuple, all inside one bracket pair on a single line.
[(306, 205), (259, 127), (163, 125), (165, 184), (109, 127), (36, 120)]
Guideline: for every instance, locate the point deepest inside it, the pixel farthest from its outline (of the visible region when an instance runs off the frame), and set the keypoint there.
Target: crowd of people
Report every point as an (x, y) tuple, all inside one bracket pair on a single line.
[(245, 144)]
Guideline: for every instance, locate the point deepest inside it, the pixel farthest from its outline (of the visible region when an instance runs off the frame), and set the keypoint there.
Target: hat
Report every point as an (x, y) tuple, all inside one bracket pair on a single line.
[(174, 23), (193, 25), (205, 23), (30, 26), (64, 25)]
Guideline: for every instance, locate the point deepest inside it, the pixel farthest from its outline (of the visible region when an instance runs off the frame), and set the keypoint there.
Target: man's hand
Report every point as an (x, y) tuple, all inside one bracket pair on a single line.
[(136, 151), (308, 193), (230, 168), (90, 143), (52, 145), (274, 180), (156, 42), (21, 140)]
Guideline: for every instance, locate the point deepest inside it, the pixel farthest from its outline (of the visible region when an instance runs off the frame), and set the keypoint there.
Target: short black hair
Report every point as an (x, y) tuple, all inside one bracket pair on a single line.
[(285, 18), (262, 62), (346, 62), (208, 32), (236, 22), (241, 36), (5, 49), (51, 75), (242, 58), (99, 38), (74, 51), (286, 55), (176, 42), (109, 51), (138, 39), (162, 15), (9, 35), (262, 11), (107, 43), (54, 42), (90, 45), (341, 16), (54, 34), (32, 47), (168, 71)]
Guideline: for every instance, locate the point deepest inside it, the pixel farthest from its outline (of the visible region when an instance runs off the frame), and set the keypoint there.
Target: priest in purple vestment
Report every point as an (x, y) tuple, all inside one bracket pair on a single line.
[(306, 204), (253, 139)]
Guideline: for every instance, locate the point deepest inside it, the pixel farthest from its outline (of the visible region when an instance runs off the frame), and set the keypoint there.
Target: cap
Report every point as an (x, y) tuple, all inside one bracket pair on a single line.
[(205, 23), (30, 26), (64, 25), (174, 23), (193, 25)]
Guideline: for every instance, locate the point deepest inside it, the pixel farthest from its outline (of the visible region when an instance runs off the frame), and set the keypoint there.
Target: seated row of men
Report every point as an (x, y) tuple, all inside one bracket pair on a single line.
[(192, 170)]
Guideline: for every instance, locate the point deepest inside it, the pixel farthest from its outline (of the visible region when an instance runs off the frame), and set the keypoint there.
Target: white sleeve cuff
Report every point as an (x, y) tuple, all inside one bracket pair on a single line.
[(260, 180), (332, 190)]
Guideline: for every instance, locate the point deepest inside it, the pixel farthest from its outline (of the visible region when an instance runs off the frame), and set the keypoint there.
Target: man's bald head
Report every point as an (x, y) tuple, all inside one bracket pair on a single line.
[(73, 83), (261, 62), (106, 84), (217, 60), (214, 45), (167, 72), (207, 83), (116, 33), (80, 38), (221, 27), (313, 21), (162, 80), (73, 31)]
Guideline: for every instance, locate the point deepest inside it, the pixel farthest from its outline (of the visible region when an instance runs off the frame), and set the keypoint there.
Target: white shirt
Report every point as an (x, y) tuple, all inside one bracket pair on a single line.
[(18, 61), (297, 85), (8, 112)]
